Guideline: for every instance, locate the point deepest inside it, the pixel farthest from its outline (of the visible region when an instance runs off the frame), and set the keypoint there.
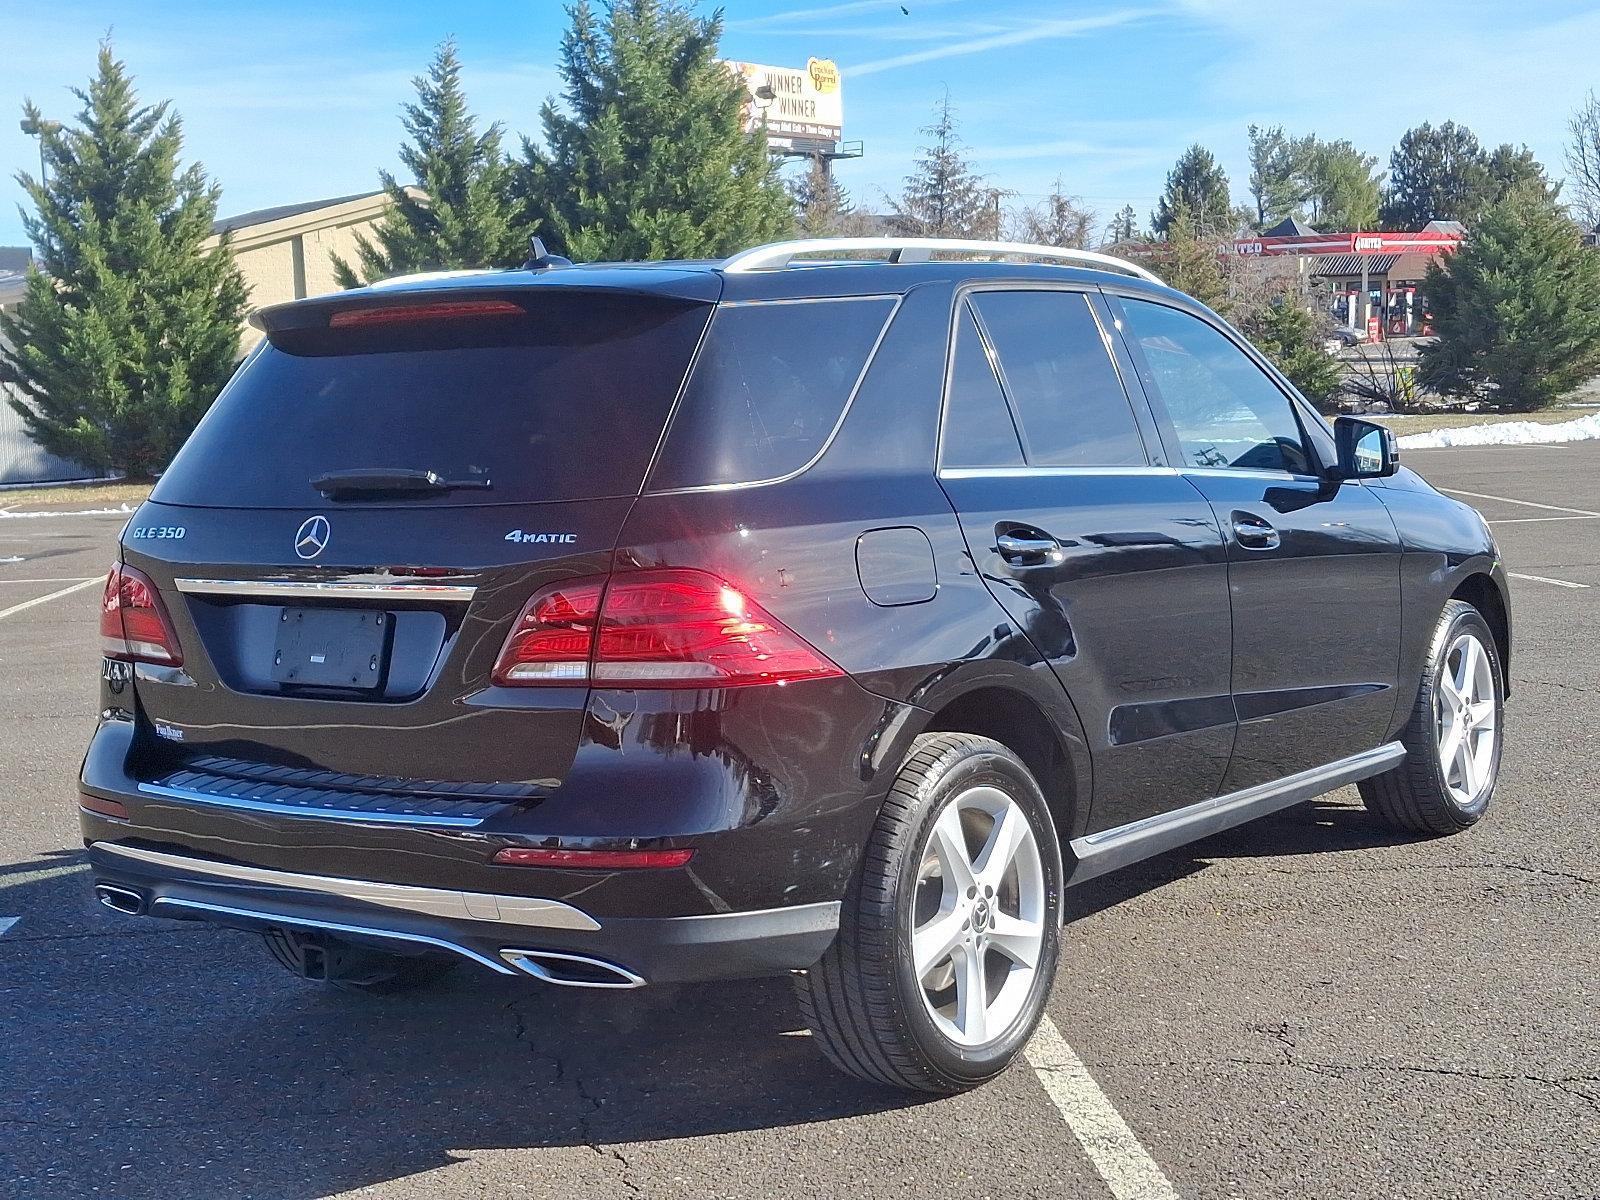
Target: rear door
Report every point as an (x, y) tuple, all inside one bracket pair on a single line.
[(351, 629), (1314, 567), (1109, 564)]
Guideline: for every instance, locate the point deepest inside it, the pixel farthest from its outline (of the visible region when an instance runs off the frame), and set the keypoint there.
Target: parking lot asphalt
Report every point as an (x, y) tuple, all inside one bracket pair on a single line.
[(1309, 1006)]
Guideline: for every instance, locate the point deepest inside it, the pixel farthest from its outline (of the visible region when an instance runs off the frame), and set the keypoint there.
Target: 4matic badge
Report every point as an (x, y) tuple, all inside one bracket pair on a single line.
[(559, 539)]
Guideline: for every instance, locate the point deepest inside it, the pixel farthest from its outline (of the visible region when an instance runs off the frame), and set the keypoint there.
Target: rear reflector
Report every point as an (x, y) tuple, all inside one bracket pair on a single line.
[(653, 629), (106, 808), (406, 314), (593, 860), (134, 625)]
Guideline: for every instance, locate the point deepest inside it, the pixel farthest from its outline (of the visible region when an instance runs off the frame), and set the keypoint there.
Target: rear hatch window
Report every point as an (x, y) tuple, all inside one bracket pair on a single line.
[(561, 397)]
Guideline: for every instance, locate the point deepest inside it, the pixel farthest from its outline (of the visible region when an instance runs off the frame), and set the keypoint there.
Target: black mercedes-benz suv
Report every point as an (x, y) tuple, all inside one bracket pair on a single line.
[(638, 623)]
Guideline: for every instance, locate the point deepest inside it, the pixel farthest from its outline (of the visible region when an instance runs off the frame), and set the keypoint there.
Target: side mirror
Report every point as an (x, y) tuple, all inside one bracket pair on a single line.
[(1367, 450)]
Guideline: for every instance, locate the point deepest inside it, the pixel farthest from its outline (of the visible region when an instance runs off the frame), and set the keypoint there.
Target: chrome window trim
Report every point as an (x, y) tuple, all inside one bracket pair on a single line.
[(1023, 472), (844, 413), (334, 589), (522, 911), (191, 796)]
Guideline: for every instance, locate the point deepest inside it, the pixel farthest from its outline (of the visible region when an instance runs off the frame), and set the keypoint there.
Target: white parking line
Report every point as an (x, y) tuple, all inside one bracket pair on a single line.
[(1537, 520), (1582, 512), (63, 578), (1116, 1153), (6, 923), (45, 599), (1567, 583)]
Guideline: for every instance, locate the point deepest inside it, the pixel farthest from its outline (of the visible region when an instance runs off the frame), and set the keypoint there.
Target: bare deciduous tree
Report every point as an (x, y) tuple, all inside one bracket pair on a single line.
[(1583, 160)]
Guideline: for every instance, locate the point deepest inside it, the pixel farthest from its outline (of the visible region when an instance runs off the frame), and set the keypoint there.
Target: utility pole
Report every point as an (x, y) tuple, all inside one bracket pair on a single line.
[(38, 127)]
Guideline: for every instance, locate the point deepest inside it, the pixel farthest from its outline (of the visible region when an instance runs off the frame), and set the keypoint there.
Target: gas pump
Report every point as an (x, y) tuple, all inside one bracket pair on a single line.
[(1400, 311)]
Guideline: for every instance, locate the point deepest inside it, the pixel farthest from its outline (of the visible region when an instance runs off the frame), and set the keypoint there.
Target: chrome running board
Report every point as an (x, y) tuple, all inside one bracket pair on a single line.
[(1097, 853), (521, 911)]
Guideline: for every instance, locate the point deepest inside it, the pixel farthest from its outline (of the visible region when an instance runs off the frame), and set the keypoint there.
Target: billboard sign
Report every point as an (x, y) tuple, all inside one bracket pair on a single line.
[(803, 104)]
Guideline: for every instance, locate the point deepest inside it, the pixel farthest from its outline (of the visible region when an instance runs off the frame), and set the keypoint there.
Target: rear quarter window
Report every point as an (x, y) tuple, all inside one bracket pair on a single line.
[(768, 388)]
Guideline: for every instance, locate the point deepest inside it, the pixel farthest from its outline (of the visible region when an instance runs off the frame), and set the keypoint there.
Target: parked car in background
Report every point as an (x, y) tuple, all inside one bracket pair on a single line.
[(642, 623)]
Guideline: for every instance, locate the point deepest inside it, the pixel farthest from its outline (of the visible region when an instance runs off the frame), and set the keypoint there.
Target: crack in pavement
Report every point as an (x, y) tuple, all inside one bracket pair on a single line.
[(585, 1128), (1338, 1070)]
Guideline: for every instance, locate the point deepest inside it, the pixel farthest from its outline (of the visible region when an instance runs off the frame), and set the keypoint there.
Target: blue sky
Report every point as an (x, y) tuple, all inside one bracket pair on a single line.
[(289, 100)]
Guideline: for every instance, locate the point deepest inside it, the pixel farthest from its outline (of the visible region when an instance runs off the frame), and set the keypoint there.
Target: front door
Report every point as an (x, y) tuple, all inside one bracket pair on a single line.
[(1109, 564), (1313, 566)]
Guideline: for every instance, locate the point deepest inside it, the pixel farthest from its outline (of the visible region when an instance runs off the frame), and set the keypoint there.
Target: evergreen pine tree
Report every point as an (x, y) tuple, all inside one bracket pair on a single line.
[(943, 196), (1189, 262), (1435, 174), (1124, 226), (464, 216), (822, 207), (649, 158), (1198, 181), (1516, 308), (1287, 332), (128, 328)]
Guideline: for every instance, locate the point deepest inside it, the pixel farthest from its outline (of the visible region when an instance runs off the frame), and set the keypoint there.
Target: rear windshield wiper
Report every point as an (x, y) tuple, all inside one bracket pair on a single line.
[(375, 481)]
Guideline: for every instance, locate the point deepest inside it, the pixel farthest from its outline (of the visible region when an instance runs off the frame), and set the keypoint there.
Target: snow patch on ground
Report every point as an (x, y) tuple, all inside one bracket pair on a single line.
[(1506, 433), (121, 510)]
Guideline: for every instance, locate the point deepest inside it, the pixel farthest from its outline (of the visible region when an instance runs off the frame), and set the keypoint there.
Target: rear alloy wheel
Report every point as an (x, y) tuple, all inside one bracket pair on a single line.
[(948, 942), (978, 921), (1453, 738)]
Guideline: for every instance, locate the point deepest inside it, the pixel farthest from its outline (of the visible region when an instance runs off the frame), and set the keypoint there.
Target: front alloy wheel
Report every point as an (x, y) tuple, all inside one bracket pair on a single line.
[(1454, 733), (1466, 710), (948, 940)]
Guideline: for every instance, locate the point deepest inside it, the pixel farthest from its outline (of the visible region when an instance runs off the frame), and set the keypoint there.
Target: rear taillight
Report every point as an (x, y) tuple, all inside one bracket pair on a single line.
[(411, 314), (653, 629), (133, 622)]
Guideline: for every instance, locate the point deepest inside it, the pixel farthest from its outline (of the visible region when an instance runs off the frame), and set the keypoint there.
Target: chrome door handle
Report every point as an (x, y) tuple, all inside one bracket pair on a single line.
[(1028, 551), (1251, 532)]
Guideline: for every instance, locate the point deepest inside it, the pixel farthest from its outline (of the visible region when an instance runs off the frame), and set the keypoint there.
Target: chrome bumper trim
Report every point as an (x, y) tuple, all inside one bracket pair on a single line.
[(520, 911), (189, 795), (254, 914), (333, 589)]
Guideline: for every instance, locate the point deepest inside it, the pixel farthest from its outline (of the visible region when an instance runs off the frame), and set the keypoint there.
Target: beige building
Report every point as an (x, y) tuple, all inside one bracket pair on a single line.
[(286, 253)]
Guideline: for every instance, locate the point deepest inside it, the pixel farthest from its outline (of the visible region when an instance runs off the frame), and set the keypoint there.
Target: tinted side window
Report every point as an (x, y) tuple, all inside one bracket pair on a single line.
[(1226, 412), (1062, 383), (978, 430), (768, 388)]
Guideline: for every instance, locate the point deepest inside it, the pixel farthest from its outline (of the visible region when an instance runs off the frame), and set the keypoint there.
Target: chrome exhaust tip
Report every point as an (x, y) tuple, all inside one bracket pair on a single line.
[(120, 899), (571, 970)]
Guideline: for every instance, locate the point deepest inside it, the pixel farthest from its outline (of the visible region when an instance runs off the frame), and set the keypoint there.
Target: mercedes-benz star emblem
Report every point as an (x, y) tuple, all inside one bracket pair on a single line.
[(312, 538)]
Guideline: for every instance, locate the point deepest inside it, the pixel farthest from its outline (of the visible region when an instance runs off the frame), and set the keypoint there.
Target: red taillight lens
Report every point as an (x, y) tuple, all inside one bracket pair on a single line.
[(593, 860), (657, 629), (106, 808), (553, 638), (407, 314), (133, 621)]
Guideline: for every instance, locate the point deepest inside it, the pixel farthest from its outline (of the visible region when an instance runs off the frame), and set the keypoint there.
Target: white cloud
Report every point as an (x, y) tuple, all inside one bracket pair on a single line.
[(1022, 34)]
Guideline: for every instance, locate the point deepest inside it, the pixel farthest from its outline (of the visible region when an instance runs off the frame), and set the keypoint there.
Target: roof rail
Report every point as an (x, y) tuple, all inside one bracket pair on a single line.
[(778, 255)]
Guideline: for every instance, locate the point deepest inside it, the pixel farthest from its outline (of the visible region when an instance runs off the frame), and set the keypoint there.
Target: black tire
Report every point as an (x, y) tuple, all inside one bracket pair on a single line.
[(863, 1000), (1415, 796), (353, 968)]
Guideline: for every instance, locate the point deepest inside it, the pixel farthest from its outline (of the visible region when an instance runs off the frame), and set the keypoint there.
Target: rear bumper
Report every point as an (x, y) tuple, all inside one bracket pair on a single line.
[(494, 931)]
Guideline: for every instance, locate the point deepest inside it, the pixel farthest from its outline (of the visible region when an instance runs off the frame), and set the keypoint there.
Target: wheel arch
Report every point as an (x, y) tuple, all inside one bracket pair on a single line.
[(1480, 590), (1014, 718)]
